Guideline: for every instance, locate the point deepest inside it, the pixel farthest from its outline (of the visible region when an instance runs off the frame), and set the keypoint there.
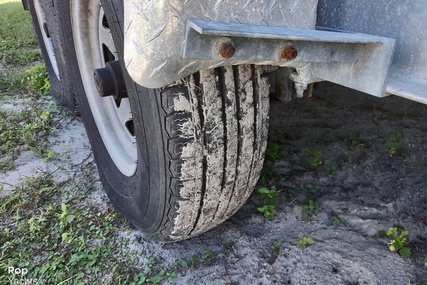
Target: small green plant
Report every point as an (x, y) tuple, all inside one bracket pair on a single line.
[(313, 158), (51, 154), (396, 143), (338, 221), (304, 241), (309, 209), (37, 80), (65, 218), (269, 197), (209, 256), (274, 151), (276, 247), (398, 240)]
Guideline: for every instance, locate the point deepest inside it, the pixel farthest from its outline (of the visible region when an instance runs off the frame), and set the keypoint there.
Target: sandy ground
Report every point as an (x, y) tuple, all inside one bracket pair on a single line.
[(357, 179)]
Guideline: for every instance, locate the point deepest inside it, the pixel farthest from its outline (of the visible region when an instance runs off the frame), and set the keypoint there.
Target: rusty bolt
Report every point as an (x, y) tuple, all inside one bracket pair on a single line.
[(227, 50), (289, 52)]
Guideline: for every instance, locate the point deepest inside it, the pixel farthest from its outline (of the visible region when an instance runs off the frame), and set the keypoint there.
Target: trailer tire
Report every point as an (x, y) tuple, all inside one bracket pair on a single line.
[(198, 145), (46, 24)]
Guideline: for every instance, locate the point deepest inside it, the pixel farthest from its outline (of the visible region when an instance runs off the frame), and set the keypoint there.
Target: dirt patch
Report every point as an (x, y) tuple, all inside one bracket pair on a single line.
[(361, 161)]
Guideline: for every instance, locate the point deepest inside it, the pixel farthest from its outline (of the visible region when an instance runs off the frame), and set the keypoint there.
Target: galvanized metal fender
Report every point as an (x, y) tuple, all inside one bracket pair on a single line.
[(168, 40)]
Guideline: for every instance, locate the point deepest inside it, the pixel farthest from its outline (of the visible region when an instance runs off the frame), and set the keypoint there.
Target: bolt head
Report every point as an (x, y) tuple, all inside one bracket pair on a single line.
[(289, 52), (227, 50)]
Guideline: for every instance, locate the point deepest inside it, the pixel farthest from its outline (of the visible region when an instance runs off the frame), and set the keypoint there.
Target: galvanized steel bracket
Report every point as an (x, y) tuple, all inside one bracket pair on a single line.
[(358, 61)]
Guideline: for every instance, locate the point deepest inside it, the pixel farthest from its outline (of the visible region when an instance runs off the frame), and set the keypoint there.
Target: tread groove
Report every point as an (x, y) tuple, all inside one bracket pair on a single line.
[(239, 141), (204, 142), (223, 94)]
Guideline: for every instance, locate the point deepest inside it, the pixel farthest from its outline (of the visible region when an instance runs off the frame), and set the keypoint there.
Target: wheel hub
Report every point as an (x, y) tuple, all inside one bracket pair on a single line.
[(109, 80)]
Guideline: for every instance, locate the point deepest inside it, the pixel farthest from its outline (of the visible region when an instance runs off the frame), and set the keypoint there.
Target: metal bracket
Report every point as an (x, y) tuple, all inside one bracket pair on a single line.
[(358, 61)]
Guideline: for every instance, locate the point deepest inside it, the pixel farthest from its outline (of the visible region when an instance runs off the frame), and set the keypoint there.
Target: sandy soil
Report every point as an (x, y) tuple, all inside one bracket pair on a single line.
[(355, 178)]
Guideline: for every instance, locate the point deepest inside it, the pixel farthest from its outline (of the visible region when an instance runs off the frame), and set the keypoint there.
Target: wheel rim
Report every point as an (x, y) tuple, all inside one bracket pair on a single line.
[(94, 47), (47, 40)]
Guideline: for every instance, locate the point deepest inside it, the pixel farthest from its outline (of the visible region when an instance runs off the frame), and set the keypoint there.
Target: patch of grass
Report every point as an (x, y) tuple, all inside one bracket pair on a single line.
[(304, 241), (11, 79), (396, 143), (18, 42), (18, 45), (27, 129), (62, 242), (312, 158), (309, 209), (37, 80), (54, 242), (269, 197)]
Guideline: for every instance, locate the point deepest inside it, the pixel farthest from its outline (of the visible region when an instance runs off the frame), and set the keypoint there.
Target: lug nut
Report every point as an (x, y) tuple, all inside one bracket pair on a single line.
[(227, 50), (289, 52)]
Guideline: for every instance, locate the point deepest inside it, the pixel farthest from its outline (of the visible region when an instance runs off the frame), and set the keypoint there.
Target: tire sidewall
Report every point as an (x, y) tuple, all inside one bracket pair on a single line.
[(61, 88)]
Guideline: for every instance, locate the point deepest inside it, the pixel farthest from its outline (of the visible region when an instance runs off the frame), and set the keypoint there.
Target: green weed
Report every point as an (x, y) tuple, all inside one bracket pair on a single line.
[(276, 247), (304, 241), (309, 209), (398, 241), (313, 158), (209, 256), (338, 221), (269, 197), (49, 155), (37, 80), (396, 143), (274, 151)]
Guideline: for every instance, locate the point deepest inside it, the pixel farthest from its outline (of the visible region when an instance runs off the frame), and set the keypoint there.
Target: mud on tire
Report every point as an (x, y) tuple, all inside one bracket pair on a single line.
[(216, 134)]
